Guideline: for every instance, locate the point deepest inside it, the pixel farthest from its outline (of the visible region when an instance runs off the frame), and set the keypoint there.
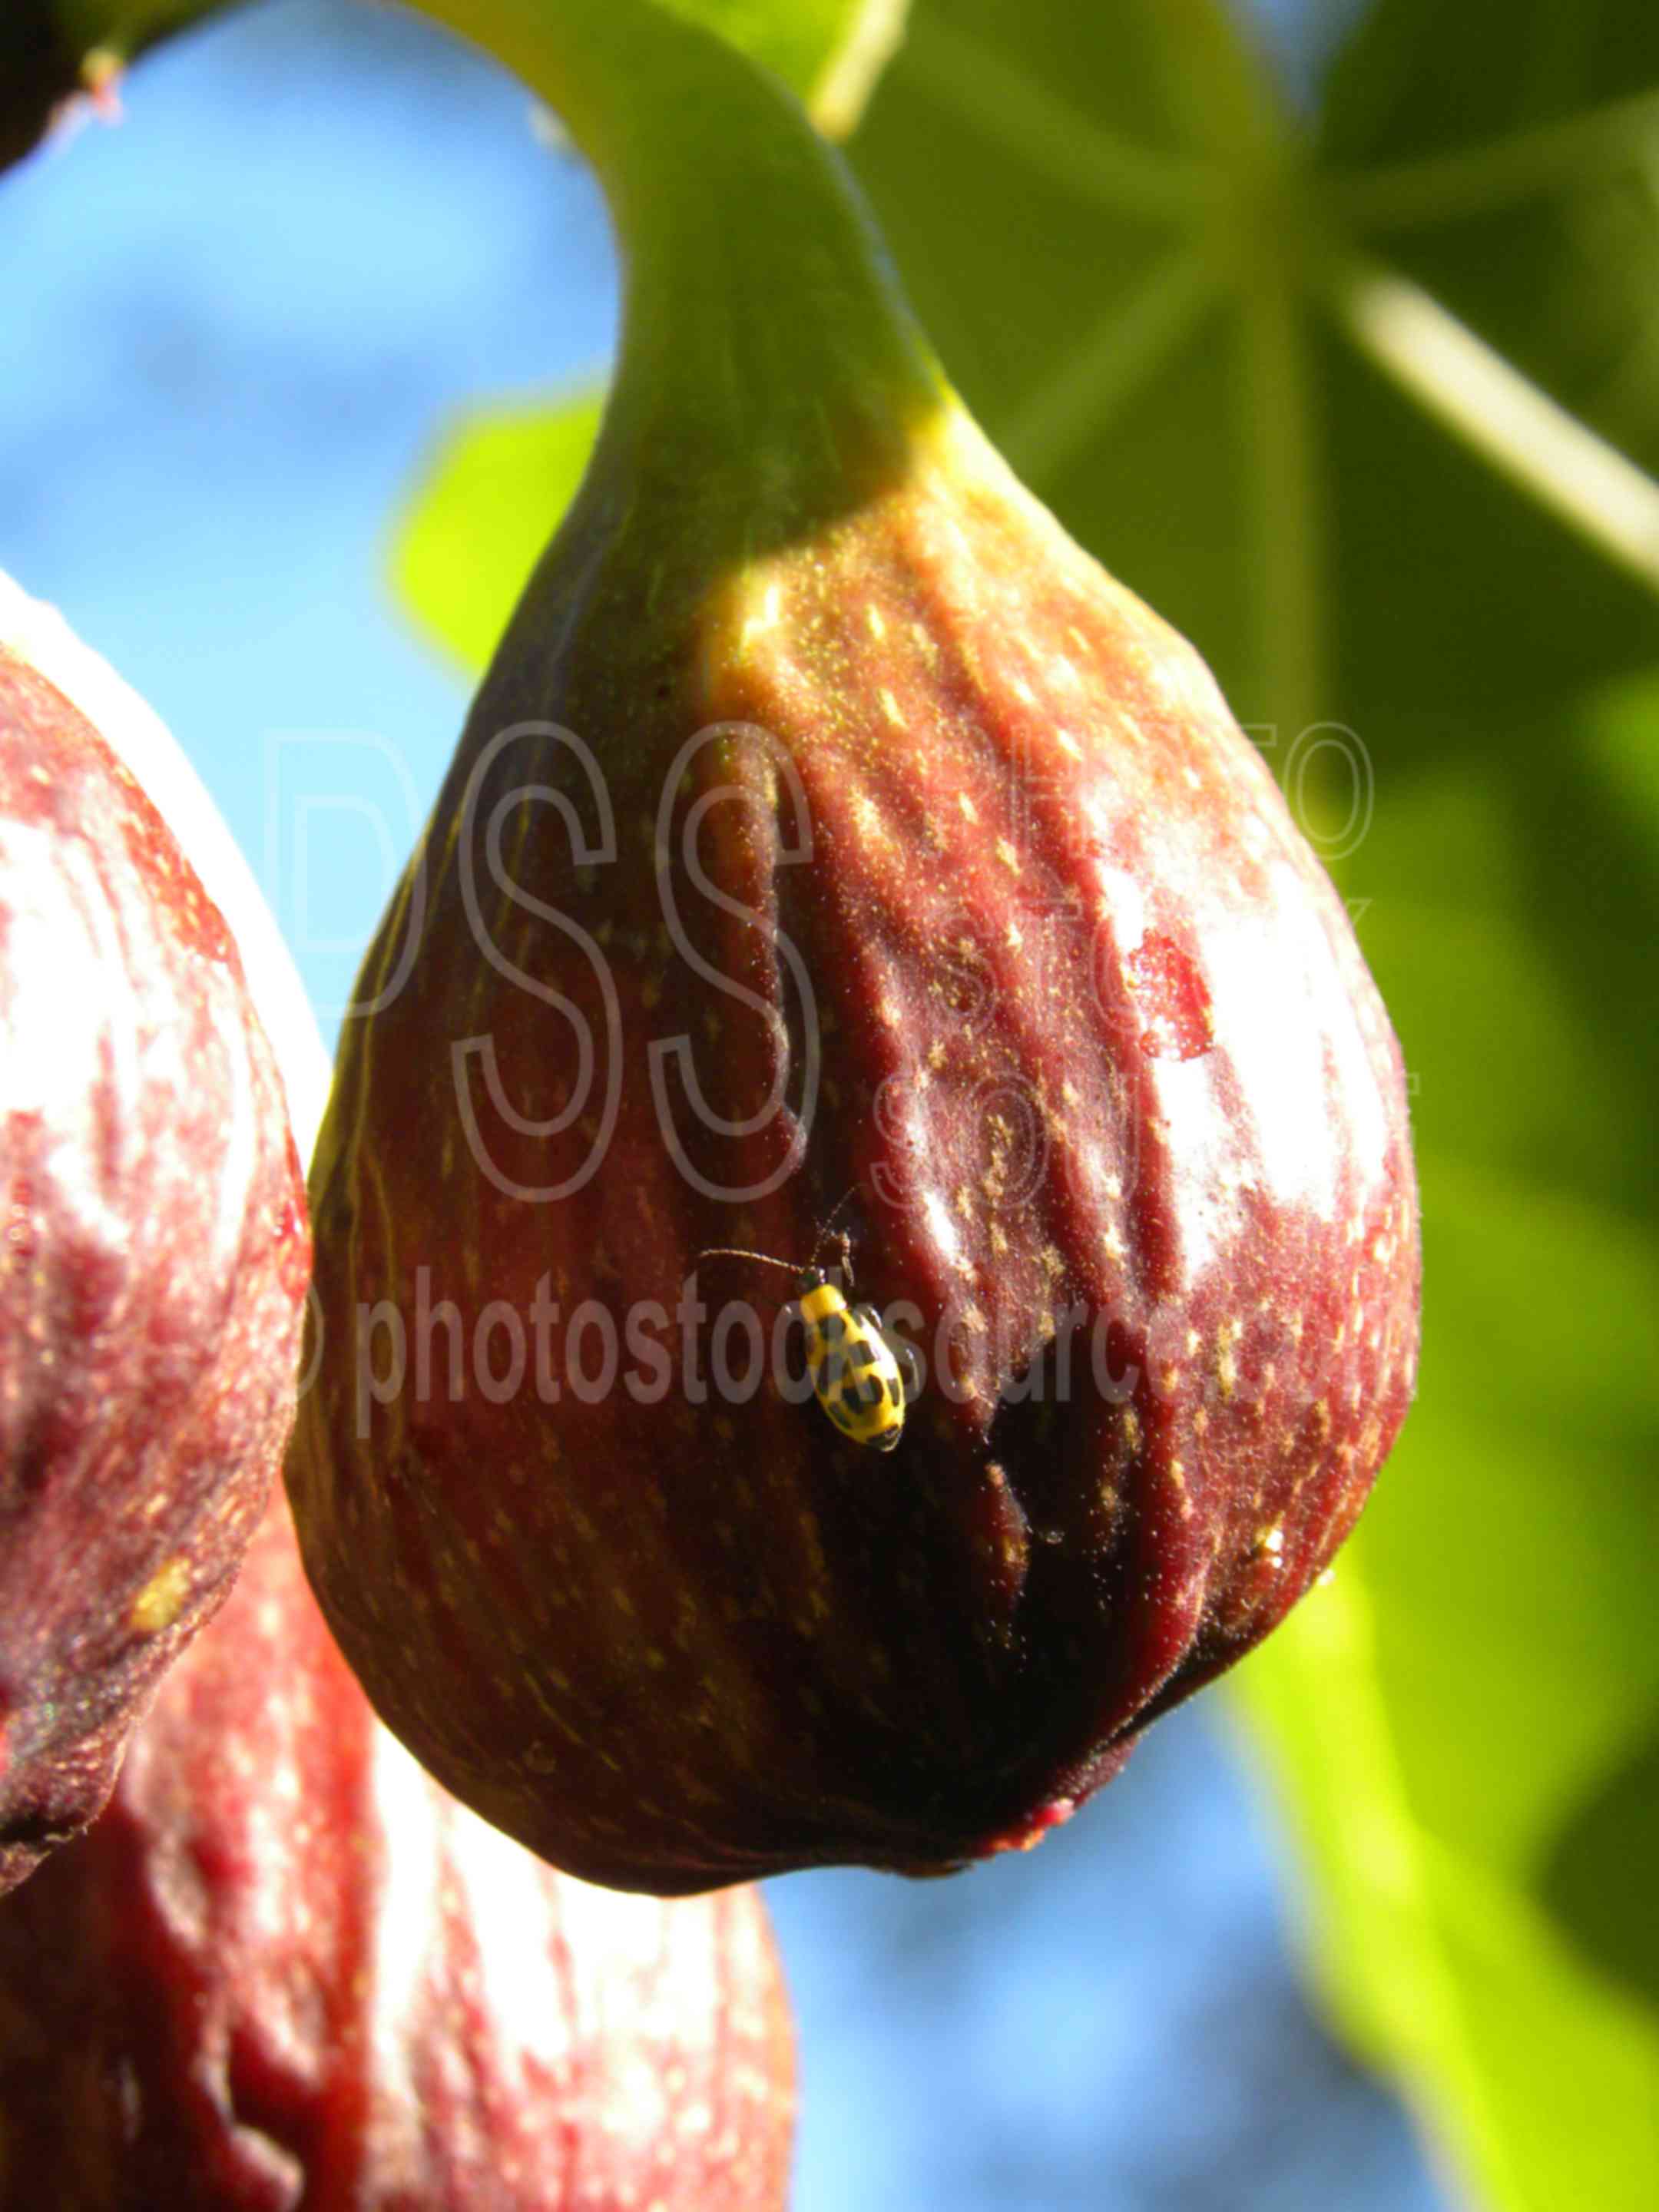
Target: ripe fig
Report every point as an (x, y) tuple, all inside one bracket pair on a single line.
[(154, 1255), (833, 850), (283, 1969)]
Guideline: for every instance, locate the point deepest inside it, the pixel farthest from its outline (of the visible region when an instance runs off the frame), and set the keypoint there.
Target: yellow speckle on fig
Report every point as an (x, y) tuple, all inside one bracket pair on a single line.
[(161, 1600)]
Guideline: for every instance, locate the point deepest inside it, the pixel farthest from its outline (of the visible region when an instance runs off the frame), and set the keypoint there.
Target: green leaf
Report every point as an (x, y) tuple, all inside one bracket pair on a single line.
[(481, 519), (828, 52), (1263, 480), (1466, 1723), (1368, 403)]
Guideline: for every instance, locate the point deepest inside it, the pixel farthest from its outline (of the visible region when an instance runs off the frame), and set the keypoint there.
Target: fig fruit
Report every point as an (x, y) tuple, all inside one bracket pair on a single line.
[(833, 849), (154, 1256), (283, 1969)]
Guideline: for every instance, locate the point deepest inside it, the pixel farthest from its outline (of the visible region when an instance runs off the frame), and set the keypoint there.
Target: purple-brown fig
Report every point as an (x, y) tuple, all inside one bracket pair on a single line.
[(154, 1256), (283, 1970), (833, 850)]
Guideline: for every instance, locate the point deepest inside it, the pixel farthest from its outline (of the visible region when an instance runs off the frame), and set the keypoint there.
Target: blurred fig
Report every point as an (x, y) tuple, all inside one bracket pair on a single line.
[(154, 1253), (284, 1970), (833, 850)]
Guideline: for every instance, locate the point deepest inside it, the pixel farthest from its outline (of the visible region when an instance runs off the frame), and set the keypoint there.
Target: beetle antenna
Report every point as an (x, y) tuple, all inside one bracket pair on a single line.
[(736, 1252), (829, 1222)]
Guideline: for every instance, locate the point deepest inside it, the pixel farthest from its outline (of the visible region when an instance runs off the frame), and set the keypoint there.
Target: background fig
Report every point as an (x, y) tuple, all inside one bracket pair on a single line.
[(153, 1260), (831, 838), (284, 1969)]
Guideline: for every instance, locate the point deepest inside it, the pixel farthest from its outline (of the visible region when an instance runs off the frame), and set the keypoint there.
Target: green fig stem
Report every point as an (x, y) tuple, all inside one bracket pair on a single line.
[(767, 347)]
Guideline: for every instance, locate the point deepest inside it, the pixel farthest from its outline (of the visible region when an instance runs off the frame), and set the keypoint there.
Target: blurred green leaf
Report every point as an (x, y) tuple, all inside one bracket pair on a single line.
[(1370, 405), (828, 52), (480, 521), (1465, 1721), (1335, 552)]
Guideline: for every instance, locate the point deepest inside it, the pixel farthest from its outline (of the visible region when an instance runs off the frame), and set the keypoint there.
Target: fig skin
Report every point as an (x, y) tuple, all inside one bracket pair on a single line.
[(832, 844), (154, 1258), (283, 1970), (1095, 1035)]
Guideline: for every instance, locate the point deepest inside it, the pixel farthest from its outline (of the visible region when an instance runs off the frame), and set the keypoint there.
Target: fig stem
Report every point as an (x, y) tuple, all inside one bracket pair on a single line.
[(765, 343)]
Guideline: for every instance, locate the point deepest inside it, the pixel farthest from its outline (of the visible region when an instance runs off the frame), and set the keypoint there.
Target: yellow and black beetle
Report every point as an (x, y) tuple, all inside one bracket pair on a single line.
[(855, 1371)]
